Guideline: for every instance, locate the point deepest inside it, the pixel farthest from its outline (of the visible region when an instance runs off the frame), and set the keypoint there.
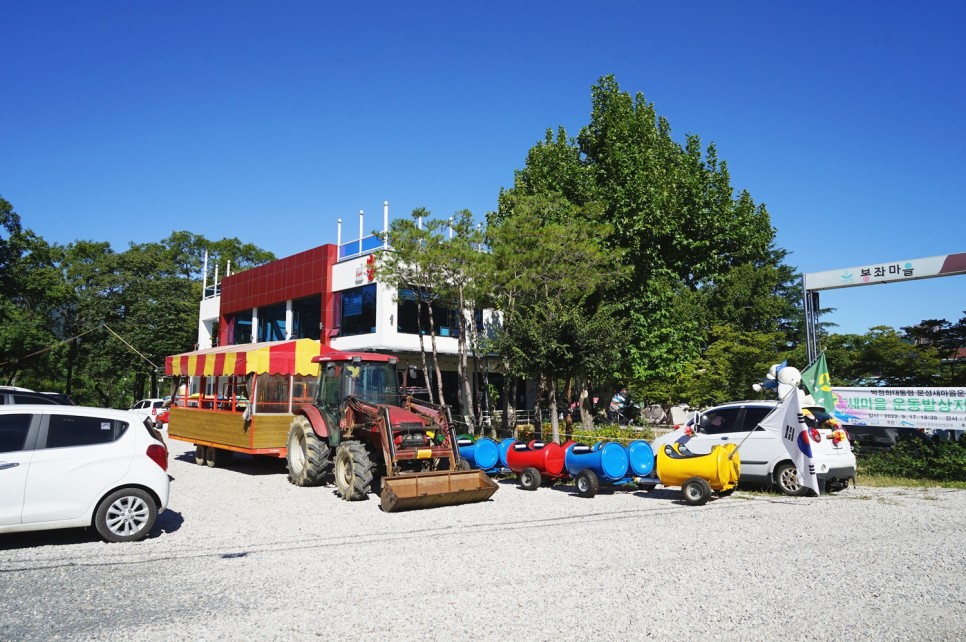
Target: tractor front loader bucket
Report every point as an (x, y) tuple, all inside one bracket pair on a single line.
[(433, 489)]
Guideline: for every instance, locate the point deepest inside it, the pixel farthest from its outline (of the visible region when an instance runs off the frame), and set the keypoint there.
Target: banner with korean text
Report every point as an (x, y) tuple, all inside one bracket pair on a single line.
[(907, 407)]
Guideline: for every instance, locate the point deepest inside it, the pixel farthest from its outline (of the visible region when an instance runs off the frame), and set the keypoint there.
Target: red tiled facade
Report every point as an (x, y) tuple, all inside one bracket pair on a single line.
[(293, 277)]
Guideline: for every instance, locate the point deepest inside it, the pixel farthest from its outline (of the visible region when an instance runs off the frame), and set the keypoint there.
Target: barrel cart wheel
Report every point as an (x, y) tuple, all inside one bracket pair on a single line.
[(697, 491), (530, 478), (587, 483)]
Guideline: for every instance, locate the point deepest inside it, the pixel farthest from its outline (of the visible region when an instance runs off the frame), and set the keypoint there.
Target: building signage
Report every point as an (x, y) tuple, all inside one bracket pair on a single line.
[(906, 270), (911, 407)]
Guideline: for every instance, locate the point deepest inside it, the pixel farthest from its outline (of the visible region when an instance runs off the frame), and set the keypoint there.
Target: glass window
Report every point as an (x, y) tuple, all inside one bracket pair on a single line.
[(242, 328), (70, 430), (330, 394), (271, 323), (13, 432), (445, 319), (358, 310), (303, 389), (41, 399), (720, 421), (306, 317), (754, 416), (271, 393)]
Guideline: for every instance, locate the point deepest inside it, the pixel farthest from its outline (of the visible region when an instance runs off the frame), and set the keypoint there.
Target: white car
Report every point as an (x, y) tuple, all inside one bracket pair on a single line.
[(72, 466), (764, 458), (148, 409)]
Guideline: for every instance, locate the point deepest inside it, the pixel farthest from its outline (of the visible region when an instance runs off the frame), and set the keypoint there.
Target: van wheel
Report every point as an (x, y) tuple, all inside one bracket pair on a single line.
[(307, 456), (125, 515), (786, 477)]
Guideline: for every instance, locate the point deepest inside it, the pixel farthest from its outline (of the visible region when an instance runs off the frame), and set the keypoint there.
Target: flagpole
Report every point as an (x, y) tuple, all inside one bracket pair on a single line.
[(735, 451)]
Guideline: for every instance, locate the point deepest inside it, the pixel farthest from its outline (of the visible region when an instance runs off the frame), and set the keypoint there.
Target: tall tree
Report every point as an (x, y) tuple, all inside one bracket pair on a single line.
[(548, 269), (673, 213)]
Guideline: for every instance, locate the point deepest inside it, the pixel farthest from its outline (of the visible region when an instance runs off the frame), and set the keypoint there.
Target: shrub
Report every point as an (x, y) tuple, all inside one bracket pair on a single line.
[(939, 461), (622, 434)]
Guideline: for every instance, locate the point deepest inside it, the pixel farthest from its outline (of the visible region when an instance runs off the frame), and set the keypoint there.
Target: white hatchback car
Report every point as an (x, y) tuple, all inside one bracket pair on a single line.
[(763, 456), (72, 466)]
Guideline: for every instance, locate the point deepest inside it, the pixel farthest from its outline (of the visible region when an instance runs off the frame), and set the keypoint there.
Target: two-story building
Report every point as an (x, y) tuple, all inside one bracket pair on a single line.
[(330, 293)]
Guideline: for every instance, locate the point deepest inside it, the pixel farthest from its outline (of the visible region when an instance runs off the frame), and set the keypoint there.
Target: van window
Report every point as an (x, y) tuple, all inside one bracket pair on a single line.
[(13, 432)]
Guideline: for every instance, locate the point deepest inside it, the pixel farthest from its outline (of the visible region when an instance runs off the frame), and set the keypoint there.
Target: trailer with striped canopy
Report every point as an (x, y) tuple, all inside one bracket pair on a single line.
[(332, 414)]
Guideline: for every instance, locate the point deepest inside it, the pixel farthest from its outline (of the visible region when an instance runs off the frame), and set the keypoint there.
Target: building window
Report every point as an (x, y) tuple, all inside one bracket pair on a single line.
[(271, 323), (357, 314), (445, 319), (242, 328), (306, 317)]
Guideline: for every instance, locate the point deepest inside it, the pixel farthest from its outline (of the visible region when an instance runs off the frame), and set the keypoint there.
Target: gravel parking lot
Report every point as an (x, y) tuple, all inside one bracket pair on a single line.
[(242, 554)]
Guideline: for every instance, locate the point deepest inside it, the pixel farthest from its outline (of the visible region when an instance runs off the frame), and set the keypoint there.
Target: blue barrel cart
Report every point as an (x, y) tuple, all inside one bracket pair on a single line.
[(485, 454), (609, 463)]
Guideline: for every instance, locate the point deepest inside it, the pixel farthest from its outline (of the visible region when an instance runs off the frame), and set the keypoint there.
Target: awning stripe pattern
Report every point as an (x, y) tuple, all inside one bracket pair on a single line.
[(278, 357)]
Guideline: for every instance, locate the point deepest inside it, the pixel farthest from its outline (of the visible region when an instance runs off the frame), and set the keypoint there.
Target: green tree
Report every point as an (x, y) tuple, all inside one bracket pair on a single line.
[(676, 220), (548, 268)]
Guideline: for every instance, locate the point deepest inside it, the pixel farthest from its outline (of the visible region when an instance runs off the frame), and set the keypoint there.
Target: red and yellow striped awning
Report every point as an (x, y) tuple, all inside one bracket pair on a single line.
[(276, 357)]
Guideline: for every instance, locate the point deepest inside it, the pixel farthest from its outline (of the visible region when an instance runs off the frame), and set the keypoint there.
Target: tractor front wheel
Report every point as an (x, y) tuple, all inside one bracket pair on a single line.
[(353, 471)]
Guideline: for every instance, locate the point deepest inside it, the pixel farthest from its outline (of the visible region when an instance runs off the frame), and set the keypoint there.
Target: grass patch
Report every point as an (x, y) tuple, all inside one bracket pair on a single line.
[(889, 481)]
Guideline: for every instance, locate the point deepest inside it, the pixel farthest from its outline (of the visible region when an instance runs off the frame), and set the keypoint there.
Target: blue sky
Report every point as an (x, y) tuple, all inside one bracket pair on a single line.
[(123, 121)]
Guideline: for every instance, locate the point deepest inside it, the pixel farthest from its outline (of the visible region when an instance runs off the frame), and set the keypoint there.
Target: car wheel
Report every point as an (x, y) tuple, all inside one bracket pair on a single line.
[(786, 477), (587, 483), (125, 515), (530, 479), (696, 491), (200, 455)]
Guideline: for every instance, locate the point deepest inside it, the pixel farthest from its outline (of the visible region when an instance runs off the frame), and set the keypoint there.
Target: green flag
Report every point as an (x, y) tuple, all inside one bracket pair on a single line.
[(819, 384)]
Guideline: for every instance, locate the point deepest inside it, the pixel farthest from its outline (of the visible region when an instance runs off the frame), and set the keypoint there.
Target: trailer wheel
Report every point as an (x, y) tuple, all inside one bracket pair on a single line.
[(307, 456), (587, 483), (529, 478), (200, 455), (353, 471), (212, 457), (696, 491)]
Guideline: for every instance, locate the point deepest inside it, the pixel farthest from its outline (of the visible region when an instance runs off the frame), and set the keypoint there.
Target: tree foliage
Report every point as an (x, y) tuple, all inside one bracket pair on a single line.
[(95, 323), (697, 254)]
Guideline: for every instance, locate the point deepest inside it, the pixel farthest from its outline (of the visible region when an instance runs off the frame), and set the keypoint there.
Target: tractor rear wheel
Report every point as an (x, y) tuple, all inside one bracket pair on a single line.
[(307, 458), (353, 471)]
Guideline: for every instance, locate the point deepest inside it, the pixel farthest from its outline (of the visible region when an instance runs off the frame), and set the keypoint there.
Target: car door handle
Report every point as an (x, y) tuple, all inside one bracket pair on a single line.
[(8, 464)]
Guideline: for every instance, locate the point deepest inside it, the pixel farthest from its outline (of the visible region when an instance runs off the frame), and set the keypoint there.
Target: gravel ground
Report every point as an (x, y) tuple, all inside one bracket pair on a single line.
[(243, 555)]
